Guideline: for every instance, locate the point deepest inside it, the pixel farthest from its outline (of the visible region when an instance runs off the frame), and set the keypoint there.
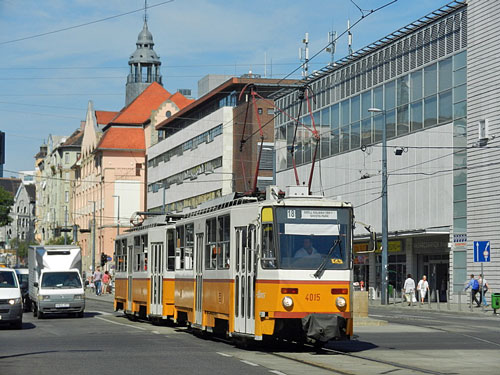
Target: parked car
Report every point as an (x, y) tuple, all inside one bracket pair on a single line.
[(23, 277), (11, 302)]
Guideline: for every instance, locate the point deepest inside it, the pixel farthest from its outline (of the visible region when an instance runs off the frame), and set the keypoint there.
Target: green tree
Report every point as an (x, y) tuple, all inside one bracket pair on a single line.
[(6, 202), (21, 246), (57, 241)]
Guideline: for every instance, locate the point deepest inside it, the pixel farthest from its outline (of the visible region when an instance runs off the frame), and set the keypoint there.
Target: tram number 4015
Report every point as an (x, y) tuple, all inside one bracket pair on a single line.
[(313, 297)]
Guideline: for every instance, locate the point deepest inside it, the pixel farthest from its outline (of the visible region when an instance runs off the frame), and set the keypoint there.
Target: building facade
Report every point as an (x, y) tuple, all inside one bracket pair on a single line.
[(208, 150), (418, 77), (53, 184)]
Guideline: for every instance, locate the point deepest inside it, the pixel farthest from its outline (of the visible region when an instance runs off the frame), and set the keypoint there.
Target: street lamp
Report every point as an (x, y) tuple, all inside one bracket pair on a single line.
[(118, 216), (93, 237), (385, 225)]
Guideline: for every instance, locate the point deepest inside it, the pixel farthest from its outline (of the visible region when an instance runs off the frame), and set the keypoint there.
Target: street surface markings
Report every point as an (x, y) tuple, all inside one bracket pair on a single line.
[(99, 312), (249, 363), (224, 354), (155, 332), (277, 372), (120, 324)]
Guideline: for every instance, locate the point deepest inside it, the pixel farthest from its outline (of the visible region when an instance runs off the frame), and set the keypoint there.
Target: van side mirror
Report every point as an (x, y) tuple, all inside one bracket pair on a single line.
[(35, 284)]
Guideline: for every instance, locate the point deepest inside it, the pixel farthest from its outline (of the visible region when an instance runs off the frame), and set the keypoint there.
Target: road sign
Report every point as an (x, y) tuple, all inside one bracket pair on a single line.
[(482, 251)]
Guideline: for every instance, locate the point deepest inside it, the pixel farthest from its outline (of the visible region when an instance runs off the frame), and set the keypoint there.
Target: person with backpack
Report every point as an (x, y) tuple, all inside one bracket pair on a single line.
[(474, 285)]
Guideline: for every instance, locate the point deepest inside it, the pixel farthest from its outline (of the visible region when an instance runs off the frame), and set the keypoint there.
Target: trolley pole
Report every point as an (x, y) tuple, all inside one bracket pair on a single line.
[(385, 224)]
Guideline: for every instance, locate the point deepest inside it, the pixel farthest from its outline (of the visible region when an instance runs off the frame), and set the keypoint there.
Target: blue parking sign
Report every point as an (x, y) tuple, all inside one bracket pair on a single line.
[(482, 251)]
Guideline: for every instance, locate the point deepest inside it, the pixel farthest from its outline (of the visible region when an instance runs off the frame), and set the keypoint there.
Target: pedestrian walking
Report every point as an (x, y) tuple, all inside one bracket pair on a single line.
[(484, 289), (105, 282), (474, 285), (97, 278), (423, 288), (409, 289)]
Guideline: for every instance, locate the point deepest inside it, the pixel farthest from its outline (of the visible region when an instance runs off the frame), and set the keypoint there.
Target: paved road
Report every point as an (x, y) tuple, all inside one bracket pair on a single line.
[(104, 342)]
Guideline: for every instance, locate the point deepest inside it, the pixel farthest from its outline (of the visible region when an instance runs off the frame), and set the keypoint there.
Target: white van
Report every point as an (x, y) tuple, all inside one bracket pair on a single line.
[(11, 302)]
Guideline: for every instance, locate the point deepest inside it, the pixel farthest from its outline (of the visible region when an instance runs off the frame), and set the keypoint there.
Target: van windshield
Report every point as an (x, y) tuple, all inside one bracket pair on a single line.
[(8, 279), (64, 280)]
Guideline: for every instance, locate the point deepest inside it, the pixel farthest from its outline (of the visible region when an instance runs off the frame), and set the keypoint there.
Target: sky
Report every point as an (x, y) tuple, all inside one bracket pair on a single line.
[(47, 81)]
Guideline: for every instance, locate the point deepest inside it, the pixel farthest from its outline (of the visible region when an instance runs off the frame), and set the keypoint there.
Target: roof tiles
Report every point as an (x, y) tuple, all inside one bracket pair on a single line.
[(123, 138)]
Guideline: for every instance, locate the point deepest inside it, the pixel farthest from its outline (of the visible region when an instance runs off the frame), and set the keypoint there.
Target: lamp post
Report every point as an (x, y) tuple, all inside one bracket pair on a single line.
[(118, 216), (385, 225), (93, 238)]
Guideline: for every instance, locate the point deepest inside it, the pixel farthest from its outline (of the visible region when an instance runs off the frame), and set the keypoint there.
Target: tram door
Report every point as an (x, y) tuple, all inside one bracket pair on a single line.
[(156, 267), (130, 257), (199, 279), (245, 279)]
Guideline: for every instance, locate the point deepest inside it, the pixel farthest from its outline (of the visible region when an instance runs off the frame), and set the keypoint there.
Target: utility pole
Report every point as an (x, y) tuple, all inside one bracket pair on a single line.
[(304, 56), (385, 223), (65, 225), (118, 214), (93, 238)]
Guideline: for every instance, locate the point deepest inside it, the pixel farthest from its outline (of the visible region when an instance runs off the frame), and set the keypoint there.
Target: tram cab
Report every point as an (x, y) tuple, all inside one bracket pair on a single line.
[(144, 281), (279, 267)]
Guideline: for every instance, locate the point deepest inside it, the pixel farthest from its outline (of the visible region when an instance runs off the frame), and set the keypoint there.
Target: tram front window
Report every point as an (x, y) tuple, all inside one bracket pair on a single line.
[(313, 238)]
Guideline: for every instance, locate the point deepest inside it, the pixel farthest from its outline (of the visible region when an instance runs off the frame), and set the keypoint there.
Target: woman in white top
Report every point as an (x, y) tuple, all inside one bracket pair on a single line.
[(423, 287)]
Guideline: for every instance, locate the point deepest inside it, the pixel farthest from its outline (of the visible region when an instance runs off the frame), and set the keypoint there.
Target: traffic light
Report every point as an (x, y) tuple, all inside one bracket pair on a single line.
[(104, 259)]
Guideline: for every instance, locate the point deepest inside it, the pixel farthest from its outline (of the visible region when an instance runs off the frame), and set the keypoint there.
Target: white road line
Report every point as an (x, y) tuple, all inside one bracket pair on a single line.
[(224, 354), (120, 324), (99, 312), (277, 372), (249, 363), (155, 332)]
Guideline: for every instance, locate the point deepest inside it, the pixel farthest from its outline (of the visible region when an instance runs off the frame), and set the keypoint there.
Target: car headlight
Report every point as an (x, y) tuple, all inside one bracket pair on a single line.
[(340, 302), (79, 296), (43, 297), (287, 302), (14, 301)]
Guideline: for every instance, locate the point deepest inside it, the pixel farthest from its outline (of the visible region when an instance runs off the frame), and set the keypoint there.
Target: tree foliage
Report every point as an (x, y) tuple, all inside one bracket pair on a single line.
[(57, 241), (21, 246), (6, 202)]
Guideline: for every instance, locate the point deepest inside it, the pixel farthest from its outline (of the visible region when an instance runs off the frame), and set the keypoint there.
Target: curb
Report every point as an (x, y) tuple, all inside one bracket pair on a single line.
[(369, 322)]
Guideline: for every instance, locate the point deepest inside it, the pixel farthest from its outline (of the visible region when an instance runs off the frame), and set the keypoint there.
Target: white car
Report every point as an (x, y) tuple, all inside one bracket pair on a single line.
[(11, 302)]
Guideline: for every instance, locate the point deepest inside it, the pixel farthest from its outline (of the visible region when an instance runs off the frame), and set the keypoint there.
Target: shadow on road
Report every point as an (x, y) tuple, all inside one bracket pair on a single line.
[(350, 346), (49, 351)]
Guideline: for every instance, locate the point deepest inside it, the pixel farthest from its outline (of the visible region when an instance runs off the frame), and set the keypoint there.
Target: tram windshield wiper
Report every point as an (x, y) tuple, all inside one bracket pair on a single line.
[(321, 269)]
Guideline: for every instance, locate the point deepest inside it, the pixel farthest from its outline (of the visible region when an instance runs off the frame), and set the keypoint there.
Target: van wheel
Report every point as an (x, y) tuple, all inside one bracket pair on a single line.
[(18, 324), (35, 309), (79, 314)]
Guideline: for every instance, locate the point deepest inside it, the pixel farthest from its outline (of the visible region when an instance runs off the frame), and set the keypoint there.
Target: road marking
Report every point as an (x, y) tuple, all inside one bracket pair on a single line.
[(120, 324), (249, 363), (155, 332), (277, 372), (224, 354), (99, 312)]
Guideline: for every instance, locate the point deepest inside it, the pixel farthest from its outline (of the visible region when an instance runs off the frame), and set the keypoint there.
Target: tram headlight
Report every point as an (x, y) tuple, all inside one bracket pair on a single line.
[(287, 302), (340, 302)]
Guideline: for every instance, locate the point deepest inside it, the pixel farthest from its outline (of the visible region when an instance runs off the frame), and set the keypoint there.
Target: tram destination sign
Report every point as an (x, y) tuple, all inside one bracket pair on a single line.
[(319, 214), (482, 251)]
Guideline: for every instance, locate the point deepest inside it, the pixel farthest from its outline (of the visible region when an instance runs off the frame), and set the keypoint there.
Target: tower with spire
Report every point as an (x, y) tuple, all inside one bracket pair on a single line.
[(144, 64)]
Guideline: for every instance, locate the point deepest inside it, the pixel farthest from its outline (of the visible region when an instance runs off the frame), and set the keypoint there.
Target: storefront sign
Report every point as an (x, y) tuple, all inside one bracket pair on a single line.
[(394, 247)]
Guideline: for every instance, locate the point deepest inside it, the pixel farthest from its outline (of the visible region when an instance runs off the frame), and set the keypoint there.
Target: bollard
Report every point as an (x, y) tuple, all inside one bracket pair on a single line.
[(447, 300), (460, 301), (429, 298), (394, 296), (437, 300)]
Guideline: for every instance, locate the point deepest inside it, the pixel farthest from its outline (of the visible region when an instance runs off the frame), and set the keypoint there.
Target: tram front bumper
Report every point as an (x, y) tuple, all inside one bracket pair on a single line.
[(324, 327)]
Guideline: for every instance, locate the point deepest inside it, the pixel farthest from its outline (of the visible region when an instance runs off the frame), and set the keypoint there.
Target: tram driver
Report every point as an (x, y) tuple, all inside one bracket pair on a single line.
[(307, 250)]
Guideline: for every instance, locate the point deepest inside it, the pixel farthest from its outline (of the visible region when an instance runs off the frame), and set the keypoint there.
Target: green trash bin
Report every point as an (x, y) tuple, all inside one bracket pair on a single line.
[(495, 301), (390, 290)]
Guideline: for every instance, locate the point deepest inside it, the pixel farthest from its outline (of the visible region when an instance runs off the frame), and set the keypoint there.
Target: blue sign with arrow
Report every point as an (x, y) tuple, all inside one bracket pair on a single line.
[(482, 251)]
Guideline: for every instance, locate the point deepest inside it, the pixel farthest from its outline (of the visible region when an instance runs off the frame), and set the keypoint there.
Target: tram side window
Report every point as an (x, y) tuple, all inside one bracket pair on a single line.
[(179, 255), (223, 249), (211, 244), (189, 242), (121, 255), (144, 247), (170, 251), (268, 248), (124, 256), (140, 253)]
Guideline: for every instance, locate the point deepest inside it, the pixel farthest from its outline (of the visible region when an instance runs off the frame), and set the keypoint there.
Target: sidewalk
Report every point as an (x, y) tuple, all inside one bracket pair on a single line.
[(454, 308), (90, 295)]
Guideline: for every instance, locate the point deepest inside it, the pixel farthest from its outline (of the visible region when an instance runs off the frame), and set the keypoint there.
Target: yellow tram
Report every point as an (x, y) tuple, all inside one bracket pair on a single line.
[(247, 267)]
